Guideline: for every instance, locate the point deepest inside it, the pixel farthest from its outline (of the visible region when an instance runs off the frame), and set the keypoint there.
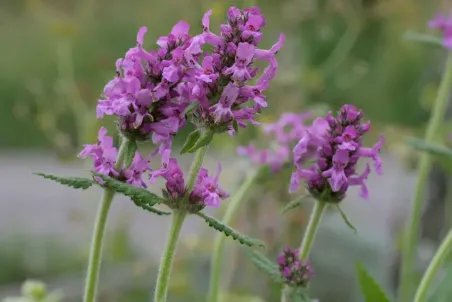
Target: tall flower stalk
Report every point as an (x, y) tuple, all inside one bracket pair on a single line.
[(436, 119)]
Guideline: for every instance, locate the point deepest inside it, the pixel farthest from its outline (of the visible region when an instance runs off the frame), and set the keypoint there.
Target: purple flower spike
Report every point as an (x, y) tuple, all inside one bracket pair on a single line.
[(206, 189), (443, 23), (338, 144), (294, 271)]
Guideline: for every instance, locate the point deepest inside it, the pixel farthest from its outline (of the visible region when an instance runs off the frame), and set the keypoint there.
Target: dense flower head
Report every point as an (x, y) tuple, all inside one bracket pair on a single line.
[(285, 132), (294, 271), (443, 23), (206, 191), (152, 89), (338, 141), (104, 155)]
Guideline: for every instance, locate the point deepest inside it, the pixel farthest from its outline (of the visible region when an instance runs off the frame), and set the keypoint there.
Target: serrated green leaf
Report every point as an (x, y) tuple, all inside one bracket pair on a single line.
[(235, 125), (191, 107), (423, 38), (154, 210), (130, 153), (370, 288), (346, 220), (228, 231), (191, 140), (139, 196), (432, 148), (294, 203), (442, 291), (204, 139), (264, 264), (73, 182)]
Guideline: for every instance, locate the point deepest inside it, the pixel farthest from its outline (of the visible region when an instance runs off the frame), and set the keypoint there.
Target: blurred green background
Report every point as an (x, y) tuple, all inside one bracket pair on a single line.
[(56, 55)]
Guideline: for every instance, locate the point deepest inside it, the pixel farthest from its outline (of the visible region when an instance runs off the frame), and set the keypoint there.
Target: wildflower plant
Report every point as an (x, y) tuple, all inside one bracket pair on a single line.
[(209, 80)]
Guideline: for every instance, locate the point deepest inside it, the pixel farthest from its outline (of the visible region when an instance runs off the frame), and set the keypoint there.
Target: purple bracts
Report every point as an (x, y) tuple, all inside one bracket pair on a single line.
[(294, 272)]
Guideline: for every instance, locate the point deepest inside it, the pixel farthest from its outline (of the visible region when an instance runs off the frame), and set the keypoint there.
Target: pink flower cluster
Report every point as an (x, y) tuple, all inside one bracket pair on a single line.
[(443, 23), (289, 128), (338, 141), (295, 273)]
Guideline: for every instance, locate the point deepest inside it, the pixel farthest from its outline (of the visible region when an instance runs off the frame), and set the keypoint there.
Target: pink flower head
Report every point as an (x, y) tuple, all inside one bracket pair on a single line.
[(295, 272), (443, 23), (338, 141)]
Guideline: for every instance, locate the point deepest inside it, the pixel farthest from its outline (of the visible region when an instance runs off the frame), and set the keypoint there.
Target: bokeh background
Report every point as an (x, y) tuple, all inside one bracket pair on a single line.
[(55, 57)]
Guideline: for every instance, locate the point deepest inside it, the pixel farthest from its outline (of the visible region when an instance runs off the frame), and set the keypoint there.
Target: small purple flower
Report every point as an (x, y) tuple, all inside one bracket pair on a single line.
[(104, 155), (206, 191), (338, 141), (294, 272), (443, 23)]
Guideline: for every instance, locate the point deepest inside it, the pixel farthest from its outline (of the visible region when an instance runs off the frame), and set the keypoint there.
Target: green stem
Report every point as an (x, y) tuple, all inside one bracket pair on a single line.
[(95, 254), (161, 288), (308, 239), (412, 236), (217, 257), (438, 259), (311, 229)]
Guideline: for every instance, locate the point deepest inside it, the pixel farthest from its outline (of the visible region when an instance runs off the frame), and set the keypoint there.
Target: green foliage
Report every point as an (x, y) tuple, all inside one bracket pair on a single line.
[(423, 38), (370, 288), (298, 295), (152, 209), (297, 202), (191, 140), (73, 182), (443, 291), (432, 148), (191, 107), (130, 152), (140, 196), (264, 264), (35, 291), (205, 138), (346, 220), (228, 231)]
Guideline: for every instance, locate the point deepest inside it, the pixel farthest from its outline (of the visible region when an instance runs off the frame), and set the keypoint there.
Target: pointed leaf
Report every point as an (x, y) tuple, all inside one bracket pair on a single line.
[(204, 139), (228, 231), (191, 107), (235, 125), (130, 153), (263, 263), (191, 140), (73, 182), (370, 288), (138, 195), (346, 220), (442, 291), (423, 38), (295, 203), (154, 210), (432, 148)]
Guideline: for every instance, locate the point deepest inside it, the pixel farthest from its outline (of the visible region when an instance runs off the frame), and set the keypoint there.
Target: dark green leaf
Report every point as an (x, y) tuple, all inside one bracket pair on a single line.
[(191, 107), (235, 125), (432, 148), (204, 139), (442, 291), (423, 38), (153, 210), (346, 220), (130, 152), (73, 182), (191, 140), (370, 288), (264, 264), (139, 196), (295, 203), (228, 231)]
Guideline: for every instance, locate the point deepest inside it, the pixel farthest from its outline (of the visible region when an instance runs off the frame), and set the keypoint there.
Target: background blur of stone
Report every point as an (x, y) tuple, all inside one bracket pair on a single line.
[(57, 55)]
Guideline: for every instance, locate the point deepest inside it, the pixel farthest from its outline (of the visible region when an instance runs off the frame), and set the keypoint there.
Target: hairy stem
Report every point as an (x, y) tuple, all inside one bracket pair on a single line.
[(438, 259), (95, 254), (412, 235), (217, 256), (161, 288)]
